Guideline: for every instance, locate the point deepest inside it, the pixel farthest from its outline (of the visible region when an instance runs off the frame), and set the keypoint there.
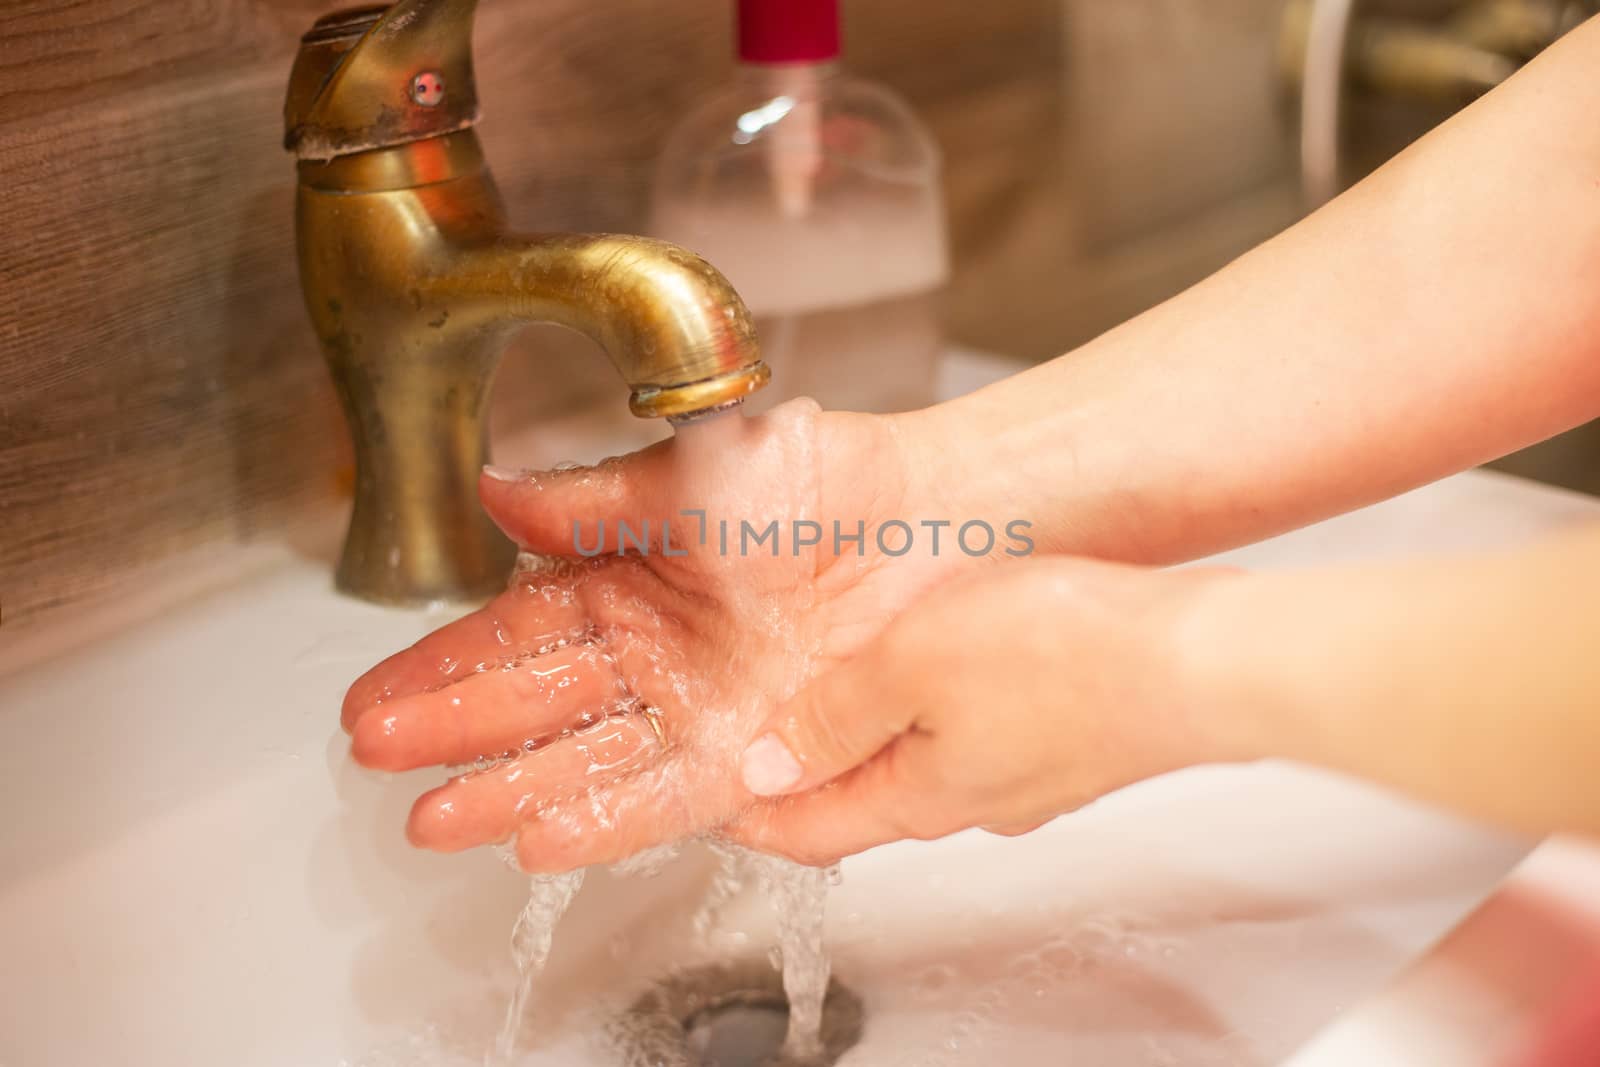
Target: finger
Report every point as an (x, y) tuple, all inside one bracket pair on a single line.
[(531, 615), (486, 807), (868, 807), (838, 721), (574, 512), (605, 826), (1016, 829), (490, 712), (664, 803)]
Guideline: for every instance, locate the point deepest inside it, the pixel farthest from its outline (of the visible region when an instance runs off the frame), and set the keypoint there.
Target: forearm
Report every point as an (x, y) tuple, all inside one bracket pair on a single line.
[(1474, 684), (1439, 315)]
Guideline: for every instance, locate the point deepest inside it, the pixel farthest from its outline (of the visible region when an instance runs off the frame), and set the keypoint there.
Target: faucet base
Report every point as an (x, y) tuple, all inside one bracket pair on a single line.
[(488, 579)]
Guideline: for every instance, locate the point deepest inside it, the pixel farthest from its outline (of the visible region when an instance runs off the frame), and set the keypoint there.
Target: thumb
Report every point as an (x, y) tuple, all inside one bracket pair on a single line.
[(839, 721), (570, 512)]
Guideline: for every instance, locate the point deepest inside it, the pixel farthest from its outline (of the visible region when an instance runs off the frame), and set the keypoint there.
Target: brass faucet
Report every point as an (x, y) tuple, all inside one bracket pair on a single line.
[(414, 285)]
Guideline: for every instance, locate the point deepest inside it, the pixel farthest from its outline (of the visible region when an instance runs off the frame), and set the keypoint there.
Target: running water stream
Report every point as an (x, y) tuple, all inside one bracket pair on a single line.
[(798, 895), (709, 460), (549, 896)]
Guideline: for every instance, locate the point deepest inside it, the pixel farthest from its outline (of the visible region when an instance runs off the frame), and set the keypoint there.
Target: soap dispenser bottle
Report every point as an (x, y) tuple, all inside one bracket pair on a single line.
[(818, 195)]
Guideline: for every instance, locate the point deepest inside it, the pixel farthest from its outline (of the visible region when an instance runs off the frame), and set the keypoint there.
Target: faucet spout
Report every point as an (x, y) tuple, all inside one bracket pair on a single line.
[(414, 281), (674, 328)]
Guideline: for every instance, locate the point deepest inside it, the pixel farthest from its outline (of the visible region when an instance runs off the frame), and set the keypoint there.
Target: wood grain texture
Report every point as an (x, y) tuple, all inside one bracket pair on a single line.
[(160, 389)]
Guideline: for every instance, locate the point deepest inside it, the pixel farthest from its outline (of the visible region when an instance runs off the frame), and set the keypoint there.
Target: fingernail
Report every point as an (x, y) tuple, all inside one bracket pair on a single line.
[(504, 474), (768, 767)]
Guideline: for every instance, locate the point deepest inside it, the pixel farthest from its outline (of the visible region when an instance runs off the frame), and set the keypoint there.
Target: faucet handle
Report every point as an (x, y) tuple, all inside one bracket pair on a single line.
[(377, 76)]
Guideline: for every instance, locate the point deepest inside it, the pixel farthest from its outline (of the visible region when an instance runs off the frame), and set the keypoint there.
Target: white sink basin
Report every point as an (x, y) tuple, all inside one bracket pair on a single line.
[(193, 873)]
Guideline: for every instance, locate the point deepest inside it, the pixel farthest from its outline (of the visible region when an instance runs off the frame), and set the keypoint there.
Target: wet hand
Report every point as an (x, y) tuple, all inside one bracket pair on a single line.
[(600, 704), (1002, 699)]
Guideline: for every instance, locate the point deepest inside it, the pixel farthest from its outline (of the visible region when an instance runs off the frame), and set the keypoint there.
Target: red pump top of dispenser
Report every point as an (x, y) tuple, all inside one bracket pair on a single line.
[(788, 31)]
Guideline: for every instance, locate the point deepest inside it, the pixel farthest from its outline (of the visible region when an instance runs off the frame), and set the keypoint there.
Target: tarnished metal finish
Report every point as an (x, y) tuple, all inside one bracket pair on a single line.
[(681, 403), (352, 87), (676, 330), (414, 284), (407, 167)]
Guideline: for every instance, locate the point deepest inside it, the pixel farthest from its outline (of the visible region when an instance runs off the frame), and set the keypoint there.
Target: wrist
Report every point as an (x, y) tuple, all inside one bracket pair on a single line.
[(946, 463), (1077, 471), (1220, 648)]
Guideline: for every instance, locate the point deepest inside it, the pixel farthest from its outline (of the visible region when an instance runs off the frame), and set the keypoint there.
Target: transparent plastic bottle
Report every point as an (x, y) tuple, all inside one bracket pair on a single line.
[(818, 195)]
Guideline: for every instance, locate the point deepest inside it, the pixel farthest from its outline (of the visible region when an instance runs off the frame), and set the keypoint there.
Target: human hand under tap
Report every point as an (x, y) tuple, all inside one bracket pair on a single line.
[(605, 698)]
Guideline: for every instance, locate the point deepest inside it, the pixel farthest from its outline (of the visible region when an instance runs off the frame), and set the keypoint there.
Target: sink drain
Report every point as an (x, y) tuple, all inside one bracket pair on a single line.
[(737, 1035), (729, 1015)]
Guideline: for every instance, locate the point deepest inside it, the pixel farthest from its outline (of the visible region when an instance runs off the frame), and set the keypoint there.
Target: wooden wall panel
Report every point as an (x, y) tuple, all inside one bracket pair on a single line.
[(159, 389)]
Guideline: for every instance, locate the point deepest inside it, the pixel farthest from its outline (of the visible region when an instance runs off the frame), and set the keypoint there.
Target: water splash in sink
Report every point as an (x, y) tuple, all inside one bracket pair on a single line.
[(549, 896), (798, 895), (709, 461)]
